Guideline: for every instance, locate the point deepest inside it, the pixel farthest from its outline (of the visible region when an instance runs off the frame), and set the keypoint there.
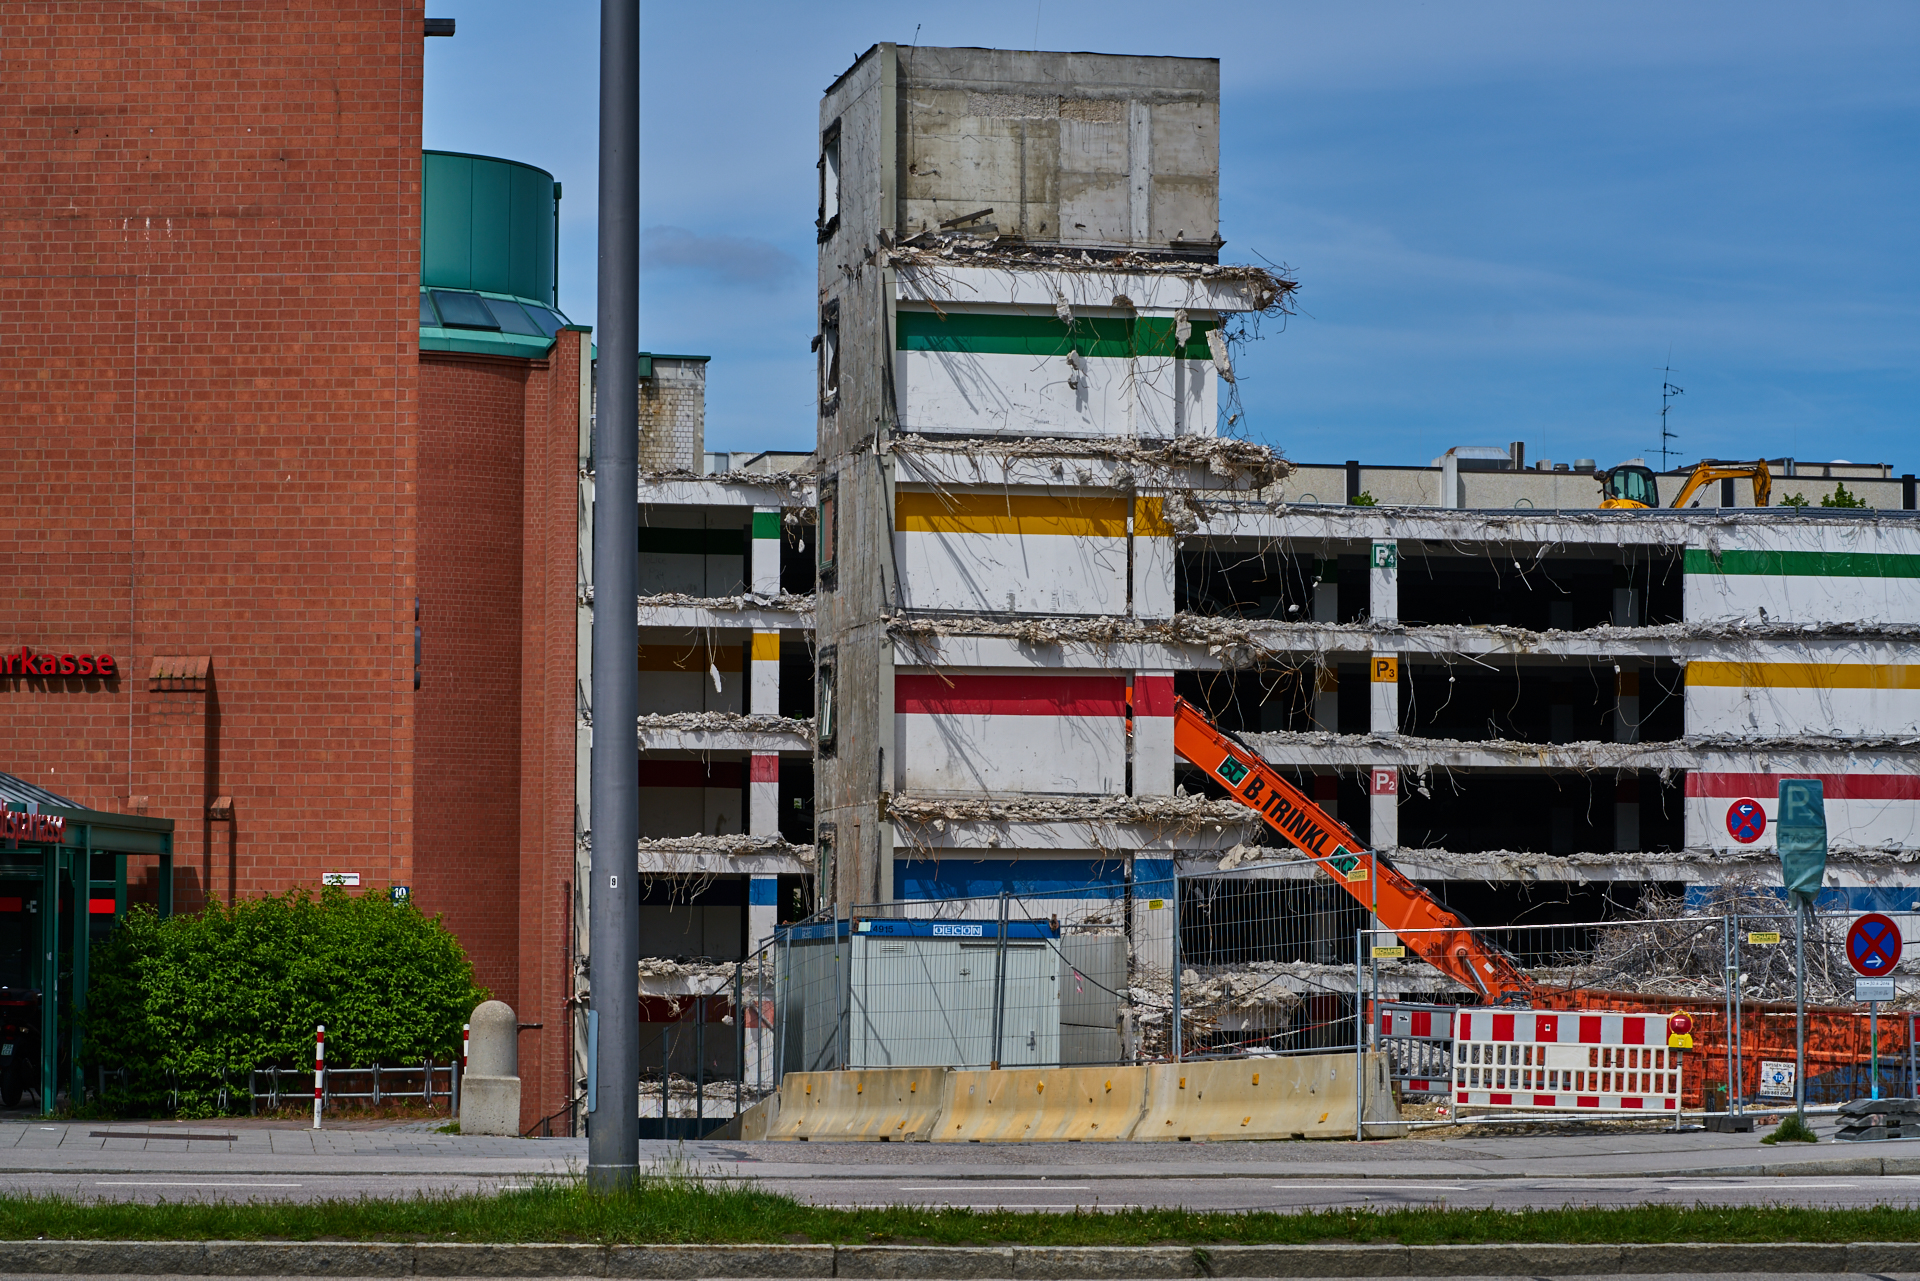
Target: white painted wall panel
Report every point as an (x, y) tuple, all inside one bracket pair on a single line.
[(1027, 574)]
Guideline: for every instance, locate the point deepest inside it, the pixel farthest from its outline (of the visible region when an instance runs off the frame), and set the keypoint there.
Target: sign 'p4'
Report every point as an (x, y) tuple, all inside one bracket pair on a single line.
[(1386, 556)]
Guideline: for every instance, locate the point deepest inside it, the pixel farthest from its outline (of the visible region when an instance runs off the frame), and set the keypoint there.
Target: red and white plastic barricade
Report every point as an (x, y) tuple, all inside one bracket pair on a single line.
[(1417, 1040), (1564, 1060)]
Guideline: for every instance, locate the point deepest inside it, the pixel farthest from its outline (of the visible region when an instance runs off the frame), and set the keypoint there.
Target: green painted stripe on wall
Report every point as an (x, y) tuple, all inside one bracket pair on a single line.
[(1007, 334), (1805, 564), (766, 524), (692, 542)]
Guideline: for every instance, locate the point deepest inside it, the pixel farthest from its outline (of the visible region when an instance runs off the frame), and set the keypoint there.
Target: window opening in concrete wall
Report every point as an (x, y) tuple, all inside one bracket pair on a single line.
[(1554, 812), (797, 568), (829, 219), (826, 717), (830, 357), (795, 799), (1270, 698), (687, 918), (1245, 582), (827, 532)]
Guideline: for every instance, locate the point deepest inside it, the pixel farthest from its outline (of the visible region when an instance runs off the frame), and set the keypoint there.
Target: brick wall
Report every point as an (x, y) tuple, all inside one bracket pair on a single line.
[(208, 368), (495, 746)]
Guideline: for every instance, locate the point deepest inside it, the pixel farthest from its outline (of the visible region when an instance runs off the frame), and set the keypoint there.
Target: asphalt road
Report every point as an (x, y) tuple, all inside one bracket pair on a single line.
[(240, 1161)]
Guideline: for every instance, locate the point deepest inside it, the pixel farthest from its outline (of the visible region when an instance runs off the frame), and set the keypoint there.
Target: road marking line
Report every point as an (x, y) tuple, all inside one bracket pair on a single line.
[(1005, 1187), (154, 1183), (1383, 1185), (981, 1205)]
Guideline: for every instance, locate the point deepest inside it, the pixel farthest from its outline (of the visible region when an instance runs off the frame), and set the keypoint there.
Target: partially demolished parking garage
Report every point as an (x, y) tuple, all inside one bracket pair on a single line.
[(929, 670)]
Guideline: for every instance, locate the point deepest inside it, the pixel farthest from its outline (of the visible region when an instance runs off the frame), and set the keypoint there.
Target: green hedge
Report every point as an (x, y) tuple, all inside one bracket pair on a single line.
[(191, 1003)]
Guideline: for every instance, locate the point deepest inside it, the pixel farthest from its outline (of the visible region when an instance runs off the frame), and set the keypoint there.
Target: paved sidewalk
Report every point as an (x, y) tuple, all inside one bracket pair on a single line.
[(416, 1148)]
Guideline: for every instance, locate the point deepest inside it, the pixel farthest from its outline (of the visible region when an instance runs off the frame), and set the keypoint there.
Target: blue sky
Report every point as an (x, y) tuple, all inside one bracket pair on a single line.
[(1505, 218)]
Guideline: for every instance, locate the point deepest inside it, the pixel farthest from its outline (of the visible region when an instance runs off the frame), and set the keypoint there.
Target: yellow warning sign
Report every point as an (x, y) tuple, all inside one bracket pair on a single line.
[(1386, 671), (1389, 953), (1763, 937)]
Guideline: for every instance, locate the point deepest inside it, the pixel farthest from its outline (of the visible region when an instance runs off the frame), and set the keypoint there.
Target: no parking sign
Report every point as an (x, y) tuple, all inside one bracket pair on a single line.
[(1873, 945)]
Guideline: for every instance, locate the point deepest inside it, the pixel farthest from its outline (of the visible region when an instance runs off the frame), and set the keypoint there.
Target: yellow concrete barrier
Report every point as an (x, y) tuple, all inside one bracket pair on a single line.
[(1042, 1105), (751, 1126), (874, 1104), (1292, 1096)]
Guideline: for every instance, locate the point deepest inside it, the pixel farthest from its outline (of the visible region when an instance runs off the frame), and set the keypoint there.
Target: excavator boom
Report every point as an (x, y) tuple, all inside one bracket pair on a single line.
[(1438, 935), (1712, 469)]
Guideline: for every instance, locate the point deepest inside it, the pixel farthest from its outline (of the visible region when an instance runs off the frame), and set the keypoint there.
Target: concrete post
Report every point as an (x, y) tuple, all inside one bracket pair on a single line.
[(490, 1093), (1383, 703), (1153, 913), (1383, 581), (1153, 755), (763, 574), (1383, 807)]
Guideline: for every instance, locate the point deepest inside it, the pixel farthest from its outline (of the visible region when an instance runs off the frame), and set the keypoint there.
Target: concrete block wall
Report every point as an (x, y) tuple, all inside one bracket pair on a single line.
[(673, 407)]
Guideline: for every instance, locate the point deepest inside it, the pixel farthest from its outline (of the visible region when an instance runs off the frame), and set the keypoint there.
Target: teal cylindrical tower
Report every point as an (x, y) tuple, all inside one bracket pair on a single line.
[(487, 224)]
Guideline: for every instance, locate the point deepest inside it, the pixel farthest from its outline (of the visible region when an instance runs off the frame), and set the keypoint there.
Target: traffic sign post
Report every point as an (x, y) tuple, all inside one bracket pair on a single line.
[(1873, 949)]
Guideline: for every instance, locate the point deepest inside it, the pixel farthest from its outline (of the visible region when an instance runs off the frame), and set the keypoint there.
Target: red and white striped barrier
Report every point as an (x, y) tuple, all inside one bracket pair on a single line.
[(319, 1068), (1568, 1062)]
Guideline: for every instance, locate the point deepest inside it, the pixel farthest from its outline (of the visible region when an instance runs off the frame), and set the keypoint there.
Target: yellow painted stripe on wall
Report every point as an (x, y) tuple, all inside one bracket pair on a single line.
[(991, 513), (1805, 675), (1150, 518), (766, 647)]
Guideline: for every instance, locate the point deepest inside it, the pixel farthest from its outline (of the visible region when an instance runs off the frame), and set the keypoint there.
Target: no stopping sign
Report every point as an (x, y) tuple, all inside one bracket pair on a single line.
[(1746, 821)]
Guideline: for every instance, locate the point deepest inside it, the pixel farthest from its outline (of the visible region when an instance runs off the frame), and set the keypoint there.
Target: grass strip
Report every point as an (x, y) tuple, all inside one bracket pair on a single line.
[(695, 1211)]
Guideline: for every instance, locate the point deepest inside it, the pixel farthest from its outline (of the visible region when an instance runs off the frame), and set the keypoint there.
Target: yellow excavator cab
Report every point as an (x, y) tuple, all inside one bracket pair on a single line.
[(1628, 485)]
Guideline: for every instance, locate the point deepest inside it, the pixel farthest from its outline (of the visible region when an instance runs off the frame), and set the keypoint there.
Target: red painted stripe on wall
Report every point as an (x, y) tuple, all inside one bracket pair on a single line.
[(1838, 787), (766, 769), (689, 774), (1010, 695), (1152, 695)]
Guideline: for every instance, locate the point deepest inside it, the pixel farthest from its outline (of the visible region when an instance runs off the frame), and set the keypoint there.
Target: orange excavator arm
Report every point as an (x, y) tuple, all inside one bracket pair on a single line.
[(1446, 943)]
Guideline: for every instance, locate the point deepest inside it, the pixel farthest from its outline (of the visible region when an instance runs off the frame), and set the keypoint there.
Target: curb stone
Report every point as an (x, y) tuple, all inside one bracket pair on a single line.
[(690, 1262), (938, 1263)]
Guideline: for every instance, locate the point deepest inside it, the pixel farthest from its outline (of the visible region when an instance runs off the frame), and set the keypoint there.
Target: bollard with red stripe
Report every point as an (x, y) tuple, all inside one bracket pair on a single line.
[(319, 1068)]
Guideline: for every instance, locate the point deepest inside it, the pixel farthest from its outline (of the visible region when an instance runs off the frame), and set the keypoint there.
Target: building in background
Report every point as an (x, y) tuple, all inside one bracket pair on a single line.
[(305, 467), (1031, 539)]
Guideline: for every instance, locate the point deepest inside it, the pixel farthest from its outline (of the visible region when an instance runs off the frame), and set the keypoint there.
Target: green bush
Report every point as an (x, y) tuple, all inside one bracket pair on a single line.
[(1843, 497), (188, 1005)]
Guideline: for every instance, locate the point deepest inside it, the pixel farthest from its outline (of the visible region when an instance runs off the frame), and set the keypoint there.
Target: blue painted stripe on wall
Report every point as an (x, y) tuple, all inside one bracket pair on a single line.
[(1854, 898), (950, 878)]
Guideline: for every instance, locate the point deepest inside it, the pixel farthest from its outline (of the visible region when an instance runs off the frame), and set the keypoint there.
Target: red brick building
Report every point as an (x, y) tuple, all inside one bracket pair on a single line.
[(233, 469)]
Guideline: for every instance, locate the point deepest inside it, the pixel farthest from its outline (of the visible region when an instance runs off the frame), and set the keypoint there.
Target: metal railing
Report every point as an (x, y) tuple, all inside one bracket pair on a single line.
[(383, 1083)]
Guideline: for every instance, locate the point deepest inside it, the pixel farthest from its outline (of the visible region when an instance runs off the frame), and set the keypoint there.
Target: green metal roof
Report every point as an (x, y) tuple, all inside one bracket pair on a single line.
[(488, 224), (487, 323)]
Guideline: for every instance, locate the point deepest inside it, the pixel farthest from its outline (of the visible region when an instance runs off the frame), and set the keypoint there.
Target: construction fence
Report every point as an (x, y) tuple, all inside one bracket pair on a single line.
[(1276, 959)]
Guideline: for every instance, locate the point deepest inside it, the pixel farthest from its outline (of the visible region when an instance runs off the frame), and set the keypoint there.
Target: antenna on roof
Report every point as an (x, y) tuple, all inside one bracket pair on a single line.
[(1667, 392)]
